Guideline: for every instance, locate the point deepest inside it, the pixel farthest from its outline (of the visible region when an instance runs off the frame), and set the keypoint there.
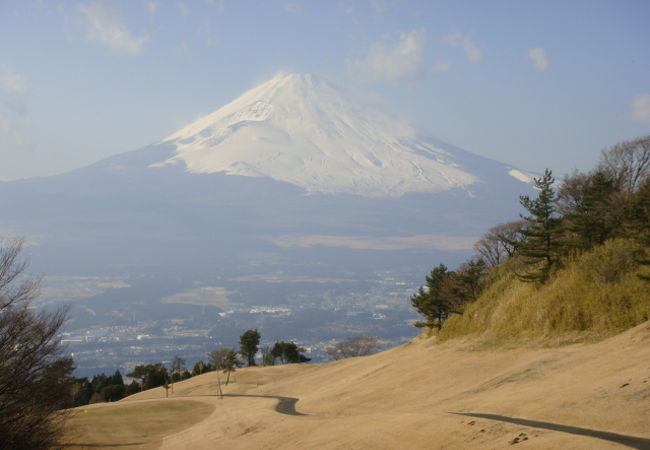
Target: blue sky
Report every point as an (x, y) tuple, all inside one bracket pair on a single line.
[(531, 83)]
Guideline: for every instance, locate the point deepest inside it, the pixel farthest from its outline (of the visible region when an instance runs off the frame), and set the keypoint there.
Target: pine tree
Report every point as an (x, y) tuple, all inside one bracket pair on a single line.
[(249, 345), (140, 372), (435, 302), (594, 221), (637, 224), (541, 243), (230, 364), (289, 352), (467, 281), (117, 379), (637, 215)]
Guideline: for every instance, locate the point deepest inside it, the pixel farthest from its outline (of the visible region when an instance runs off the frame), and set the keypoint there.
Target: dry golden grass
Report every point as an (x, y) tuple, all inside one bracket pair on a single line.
[(140, 425), (407, 397), (596, 295)]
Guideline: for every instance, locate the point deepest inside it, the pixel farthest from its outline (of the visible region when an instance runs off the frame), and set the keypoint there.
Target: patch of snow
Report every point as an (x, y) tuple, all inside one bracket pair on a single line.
[(521, 176)]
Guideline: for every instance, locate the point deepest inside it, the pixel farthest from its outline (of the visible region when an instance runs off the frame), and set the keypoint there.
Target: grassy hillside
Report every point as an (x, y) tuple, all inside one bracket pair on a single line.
[(417, 396), (142, 425), (594, 295)]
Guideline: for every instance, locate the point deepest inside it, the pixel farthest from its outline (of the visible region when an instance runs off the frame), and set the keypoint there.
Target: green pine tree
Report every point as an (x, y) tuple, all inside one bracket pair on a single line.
[(467, 281), (230, 364), (249, 345), (289, 352), (637, 225), (435, 302), (541, 235), (594, 221)]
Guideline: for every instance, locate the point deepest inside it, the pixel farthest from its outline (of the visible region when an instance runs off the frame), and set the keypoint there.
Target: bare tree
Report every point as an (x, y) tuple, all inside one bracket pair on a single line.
[(219, 391), (570, 193), (267, 355), (353, 346), (627, 163), (177, 367), (34, 379), (219, 355), (15, 287), (498, 244)]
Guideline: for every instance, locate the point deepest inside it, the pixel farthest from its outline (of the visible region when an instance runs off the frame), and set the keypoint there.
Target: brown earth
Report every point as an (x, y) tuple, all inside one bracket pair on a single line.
[(424, 395)]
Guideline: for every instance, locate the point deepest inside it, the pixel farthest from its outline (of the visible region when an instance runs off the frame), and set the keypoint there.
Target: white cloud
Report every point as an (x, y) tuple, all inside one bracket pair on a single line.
[(473, 52), (183, 9), (641, 108), (14, 95), (217, 4), (291, 7), (182, 49), (379, 6), (539, 57), (152, 7), (441, 66), (384, 6), (396, 62), (206, 30), (106, 26), (12, 135), (13, 91), (12, 82)]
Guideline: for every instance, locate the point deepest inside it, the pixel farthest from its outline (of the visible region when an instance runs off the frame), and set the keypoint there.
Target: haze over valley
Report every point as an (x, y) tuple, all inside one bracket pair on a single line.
[(293, 209)]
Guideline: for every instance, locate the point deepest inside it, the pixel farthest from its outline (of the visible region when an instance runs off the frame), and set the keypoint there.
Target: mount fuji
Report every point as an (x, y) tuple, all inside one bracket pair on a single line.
[(301, 130), (294, 163), (293, 209)]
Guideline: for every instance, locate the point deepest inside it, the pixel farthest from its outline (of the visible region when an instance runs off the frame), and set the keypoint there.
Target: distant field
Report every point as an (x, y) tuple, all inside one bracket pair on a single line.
[(140, 425), (440, 242)]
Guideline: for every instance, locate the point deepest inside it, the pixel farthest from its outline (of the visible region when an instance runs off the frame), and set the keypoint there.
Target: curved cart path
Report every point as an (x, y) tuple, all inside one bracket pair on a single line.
[(286, 405), (630, 441)]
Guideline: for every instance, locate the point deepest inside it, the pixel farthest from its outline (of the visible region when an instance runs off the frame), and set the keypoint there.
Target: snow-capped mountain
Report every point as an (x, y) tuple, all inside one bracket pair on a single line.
[(294, 166), (302, 130), (293, 196)]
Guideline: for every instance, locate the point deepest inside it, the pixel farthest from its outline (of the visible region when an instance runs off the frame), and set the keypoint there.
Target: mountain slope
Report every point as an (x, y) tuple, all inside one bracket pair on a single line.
[(423, 395), (294, 160), (304, 131)]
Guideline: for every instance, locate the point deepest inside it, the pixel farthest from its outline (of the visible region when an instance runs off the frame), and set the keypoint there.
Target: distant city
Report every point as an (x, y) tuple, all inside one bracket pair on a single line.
[(111, 330)]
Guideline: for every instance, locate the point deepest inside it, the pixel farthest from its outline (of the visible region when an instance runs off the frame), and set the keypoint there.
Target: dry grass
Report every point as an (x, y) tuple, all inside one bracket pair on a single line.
[(407, 397), (596, 294), (140, 425)]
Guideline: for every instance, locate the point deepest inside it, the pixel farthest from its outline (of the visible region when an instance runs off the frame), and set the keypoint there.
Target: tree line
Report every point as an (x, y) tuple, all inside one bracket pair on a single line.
[(105, 388), (582, 212), (225, 359), (111, 388)]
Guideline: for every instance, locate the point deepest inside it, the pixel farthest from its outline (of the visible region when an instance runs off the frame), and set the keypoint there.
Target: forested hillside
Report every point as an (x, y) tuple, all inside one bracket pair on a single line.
[(576, 266)]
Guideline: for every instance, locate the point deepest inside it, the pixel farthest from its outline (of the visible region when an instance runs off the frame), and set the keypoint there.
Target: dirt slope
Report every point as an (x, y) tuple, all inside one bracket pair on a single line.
[(582, 396)]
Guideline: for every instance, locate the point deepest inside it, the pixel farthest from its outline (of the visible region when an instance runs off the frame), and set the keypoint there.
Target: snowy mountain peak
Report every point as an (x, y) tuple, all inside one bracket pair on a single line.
[(303, 130)]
